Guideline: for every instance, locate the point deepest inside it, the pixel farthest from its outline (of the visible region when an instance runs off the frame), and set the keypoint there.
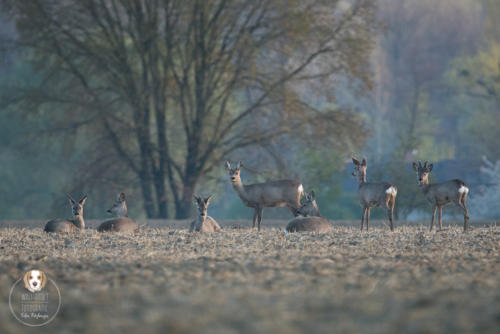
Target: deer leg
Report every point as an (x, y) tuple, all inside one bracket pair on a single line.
[(440, 218), (389, 213), (466, 219), (363, 218), (466, 215), (367, 217), (433, 216), (259, 218), (255, 210)]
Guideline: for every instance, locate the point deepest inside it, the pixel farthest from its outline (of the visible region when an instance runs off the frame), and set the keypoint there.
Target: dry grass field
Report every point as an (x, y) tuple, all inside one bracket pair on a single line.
[(166, 280)]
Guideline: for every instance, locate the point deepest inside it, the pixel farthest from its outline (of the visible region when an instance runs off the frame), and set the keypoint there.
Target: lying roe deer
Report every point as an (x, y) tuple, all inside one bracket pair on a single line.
[(76, 224), (122, 223), (310, 220), (373, 194), (267, 194), (441, 194), (204, 223)]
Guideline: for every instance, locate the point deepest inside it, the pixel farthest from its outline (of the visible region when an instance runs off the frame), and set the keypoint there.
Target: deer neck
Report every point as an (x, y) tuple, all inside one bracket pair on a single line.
[(201, 219), (425, 187), (361, 179), (239, 187), (79, 222), (124, 206)]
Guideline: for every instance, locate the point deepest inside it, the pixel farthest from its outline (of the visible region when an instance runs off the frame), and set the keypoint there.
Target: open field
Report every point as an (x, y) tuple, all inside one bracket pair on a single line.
[(167, 280)]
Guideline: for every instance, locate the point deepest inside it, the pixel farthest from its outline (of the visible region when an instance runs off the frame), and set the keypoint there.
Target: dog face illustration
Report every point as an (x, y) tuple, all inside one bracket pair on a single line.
[(34, 280)]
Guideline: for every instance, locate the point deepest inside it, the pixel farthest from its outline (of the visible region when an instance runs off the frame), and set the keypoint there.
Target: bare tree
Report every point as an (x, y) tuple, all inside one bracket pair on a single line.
[(171, 85)]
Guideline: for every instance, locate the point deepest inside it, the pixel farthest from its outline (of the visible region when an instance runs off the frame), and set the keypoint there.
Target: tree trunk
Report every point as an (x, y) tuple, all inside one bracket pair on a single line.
[(159, 174), (147, 194), (161, 197), (184, 206)]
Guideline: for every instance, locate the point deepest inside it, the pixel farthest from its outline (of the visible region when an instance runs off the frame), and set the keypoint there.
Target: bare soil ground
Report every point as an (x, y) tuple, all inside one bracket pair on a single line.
[(167, 280)]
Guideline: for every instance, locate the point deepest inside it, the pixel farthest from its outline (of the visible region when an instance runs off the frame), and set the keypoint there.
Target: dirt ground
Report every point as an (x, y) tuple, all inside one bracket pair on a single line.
[(167, 280)]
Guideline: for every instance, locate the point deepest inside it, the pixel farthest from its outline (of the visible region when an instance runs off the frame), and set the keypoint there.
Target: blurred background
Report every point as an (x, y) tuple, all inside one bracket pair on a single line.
[(152, 97)]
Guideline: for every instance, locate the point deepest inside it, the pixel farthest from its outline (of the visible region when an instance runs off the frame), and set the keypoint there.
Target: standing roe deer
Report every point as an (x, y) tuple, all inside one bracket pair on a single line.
[(76, 224), (310, 220), (267, 194), (204, 223), (122, 223), (441, 194), (373, 194)]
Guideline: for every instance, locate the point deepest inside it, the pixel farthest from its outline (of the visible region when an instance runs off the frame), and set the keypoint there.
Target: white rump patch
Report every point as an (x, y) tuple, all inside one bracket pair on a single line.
[(300, 189), (391, 190), (463, 189)]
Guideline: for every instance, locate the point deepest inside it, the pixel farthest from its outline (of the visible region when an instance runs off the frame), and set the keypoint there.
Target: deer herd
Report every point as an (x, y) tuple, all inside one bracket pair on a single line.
[(288, 193)]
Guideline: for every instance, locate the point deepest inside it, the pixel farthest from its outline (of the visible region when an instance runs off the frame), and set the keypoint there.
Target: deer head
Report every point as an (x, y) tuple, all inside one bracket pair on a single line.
[(202, 204), (359, 169), (119, 209), (77, 207), (423, 171), (309, 208), (234, 173)]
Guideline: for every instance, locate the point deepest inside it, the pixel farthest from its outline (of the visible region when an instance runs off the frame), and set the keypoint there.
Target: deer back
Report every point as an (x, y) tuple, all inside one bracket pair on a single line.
[(208, 225), (309, 224), (375, 194), (61, 226), (273, 193), (444, 192), (121, 224)]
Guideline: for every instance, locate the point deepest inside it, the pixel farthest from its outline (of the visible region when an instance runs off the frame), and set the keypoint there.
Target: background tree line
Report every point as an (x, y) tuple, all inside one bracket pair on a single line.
[(150, 97)]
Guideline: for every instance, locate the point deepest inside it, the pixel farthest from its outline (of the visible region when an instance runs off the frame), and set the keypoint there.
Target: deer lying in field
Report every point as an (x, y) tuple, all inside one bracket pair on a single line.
[(77, 224), (373, 194), (441, 194), (267, 194), (204, 223), (122, 223), (310, 219)]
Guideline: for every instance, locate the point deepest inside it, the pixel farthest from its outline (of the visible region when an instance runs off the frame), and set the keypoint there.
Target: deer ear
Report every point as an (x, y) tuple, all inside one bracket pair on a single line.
[(197, 200), (239, 165), (313, 195), (83, 200), (355, 161), (71, 200), (415, 167), (228, 165), (430, 167), (208, 199)]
